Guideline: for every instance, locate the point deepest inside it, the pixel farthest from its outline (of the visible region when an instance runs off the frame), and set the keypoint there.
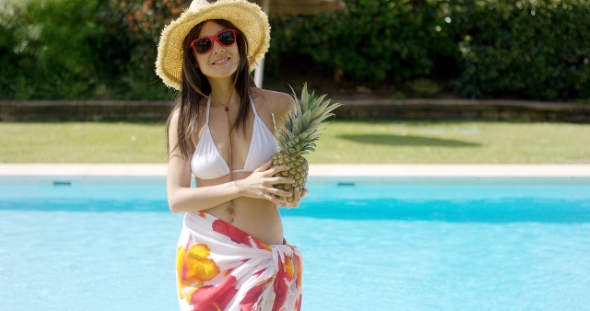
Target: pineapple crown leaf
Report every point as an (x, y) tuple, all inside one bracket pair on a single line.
[(302, 126)]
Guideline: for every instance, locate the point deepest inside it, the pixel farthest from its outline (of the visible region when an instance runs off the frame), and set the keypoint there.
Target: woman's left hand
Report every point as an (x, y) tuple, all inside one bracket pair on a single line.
[(297, 196)]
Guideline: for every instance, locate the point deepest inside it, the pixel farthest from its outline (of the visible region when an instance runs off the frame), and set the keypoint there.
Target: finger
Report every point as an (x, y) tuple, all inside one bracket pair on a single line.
[(279, 192), (285, 195), (278, 169), (296, 198), (275, 200), (296, 195), (287, 204), (264, 166), (305, 192), (290, 204), (282, 180), (270, 197)]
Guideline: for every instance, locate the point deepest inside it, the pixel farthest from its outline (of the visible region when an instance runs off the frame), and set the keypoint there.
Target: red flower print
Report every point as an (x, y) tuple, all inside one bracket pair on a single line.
[(238, 235), (280, 286), (214, 297), (251, 297)]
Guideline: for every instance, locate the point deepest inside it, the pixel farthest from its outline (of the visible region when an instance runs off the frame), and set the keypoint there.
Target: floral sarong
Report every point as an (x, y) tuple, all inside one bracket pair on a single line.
[(220, 267)]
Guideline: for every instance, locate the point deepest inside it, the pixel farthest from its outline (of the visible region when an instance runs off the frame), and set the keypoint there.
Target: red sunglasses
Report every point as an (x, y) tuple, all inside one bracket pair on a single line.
[(203, 45)]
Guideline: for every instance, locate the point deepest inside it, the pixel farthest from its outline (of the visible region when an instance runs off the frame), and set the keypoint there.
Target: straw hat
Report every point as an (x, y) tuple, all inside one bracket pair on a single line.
[(246, 16)]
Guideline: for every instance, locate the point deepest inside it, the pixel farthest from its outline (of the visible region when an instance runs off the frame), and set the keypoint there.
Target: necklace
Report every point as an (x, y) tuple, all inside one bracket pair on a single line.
[(230, 209)]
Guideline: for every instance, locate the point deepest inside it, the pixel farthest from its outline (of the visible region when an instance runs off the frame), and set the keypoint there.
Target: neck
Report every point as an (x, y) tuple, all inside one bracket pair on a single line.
[(223, 91)]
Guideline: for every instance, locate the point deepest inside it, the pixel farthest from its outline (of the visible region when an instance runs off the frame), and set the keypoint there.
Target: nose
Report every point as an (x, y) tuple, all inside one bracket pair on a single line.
[(217, 47)]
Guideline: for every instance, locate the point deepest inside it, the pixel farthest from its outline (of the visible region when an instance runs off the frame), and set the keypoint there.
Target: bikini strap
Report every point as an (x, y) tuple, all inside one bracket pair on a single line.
[(207, 119), (252, 104)]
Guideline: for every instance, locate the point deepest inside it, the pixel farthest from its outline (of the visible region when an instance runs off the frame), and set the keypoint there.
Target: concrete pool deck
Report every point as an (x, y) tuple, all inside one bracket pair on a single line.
[(335, 170)]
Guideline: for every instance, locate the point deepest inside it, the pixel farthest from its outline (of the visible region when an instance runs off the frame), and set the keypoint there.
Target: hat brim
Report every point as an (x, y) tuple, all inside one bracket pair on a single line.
[(246, 16)]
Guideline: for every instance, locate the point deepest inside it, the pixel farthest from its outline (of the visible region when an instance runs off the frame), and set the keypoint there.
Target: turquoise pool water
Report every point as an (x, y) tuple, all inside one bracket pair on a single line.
[(369, 244)]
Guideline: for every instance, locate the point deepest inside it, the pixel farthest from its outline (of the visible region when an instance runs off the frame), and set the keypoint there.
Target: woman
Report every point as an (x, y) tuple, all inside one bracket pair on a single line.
[(231, 253)]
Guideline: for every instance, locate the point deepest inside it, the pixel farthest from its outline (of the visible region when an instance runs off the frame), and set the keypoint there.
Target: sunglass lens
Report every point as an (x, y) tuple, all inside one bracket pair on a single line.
[(226, 37), (203, 45)]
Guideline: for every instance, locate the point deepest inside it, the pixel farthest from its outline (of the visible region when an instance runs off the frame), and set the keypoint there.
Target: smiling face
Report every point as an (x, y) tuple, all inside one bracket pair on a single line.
[(220, 61)]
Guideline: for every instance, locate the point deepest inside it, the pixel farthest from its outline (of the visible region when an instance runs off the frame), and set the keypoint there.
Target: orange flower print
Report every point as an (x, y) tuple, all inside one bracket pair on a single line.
[(194, 268), (297, 306), (289, 268), (298, 266)]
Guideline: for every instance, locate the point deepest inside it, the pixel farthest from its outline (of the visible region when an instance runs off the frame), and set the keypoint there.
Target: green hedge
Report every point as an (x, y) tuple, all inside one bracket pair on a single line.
[(371, 40), (47, 49), (532, 49), (80, 49), (497, 48), (139, 24)]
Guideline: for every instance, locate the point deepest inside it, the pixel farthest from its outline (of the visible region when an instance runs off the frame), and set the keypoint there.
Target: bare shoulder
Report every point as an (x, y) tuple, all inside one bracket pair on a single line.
[(173, 119), (276, 102)]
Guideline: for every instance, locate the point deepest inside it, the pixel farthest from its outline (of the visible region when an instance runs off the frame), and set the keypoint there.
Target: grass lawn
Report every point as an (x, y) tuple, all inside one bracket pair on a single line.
[(342, 142)]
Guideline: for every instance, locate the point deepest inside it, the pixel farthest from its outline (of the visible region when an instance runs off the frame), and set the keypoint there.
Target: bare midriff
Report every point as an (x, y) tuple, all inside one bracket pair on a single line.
[(258, 217)]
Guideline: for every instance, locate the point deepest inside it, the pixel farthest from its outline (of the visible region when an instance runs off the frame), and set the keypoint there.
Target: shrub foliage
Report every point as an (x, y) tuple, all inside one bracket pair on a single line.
[(141, 23), (532, 49), (370, 40), (80, 49), (48, 49)]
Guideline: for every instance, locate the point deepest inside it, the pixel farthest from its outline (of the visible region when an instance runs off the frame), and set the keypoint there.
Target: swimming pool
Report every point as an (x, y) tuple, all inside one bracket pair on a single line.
[(103, 243)]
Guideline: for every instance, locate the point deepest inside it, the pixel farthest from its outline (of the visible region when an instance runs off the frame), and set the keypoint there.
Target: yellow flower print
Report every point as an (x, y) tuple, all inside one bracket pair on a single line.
[(194, 268)]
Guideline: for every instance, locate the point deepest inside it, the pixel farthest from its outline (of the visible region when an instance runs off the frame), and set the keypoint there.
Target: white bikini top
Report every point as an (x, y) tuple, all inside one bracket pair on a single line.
[(207, 162)]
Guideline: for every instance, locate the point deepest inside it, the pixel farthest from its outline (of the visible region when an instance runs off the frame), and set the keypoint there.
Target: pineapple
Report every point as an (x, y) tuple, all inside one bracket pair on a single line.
[(302, 129)]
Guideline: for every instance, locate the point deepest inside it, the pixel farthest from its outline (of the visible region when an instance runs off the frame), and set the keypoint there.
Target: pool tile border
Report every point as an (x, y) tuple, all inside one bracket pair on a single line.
[(335, 170)]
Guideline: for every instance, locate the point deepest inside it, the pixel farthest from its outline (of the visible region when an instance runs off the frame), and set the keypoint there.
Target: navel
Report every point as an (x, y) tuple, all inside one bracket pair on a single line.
[(230, 210)]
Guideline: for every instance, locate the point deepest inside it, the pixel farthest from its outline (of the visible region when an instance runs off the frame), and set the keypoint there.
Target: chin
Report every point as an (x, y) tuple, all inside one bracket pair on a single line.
[(219, 73)]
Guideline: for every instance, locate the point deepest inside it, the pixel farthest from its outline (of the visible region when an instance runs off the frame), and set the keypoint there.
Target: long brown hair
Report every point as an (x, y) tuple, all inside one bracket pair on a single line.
[(195, 88)]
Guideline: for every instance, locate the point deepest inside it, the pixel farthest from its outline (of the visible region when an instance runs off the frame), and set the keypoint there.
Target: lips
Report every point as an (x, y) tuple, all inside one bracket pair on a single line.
[(221, 61)]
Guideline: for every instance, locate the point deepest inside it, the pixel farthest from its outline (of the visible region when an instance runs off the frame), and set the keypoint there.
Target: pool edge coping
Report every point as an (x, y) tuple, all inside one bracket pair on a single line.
[(323, 170)]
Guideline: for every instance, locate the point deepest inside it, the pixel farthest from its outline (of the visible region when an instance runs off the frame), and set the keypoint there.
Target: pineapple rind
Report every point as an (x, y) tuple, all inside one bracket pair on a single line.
[(298, 170), (301, 130)]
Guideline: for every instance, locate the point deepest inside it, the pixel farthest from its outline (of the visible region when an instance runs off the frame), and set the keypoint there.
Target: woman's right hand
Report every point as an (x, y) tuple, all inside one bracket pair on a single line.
[(259, 185)]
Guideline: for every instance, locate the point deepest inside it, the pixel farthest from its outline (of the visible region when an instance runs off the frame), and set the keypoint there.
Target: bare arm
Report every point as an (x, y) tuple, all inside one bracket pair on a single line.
[(183, 198)]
